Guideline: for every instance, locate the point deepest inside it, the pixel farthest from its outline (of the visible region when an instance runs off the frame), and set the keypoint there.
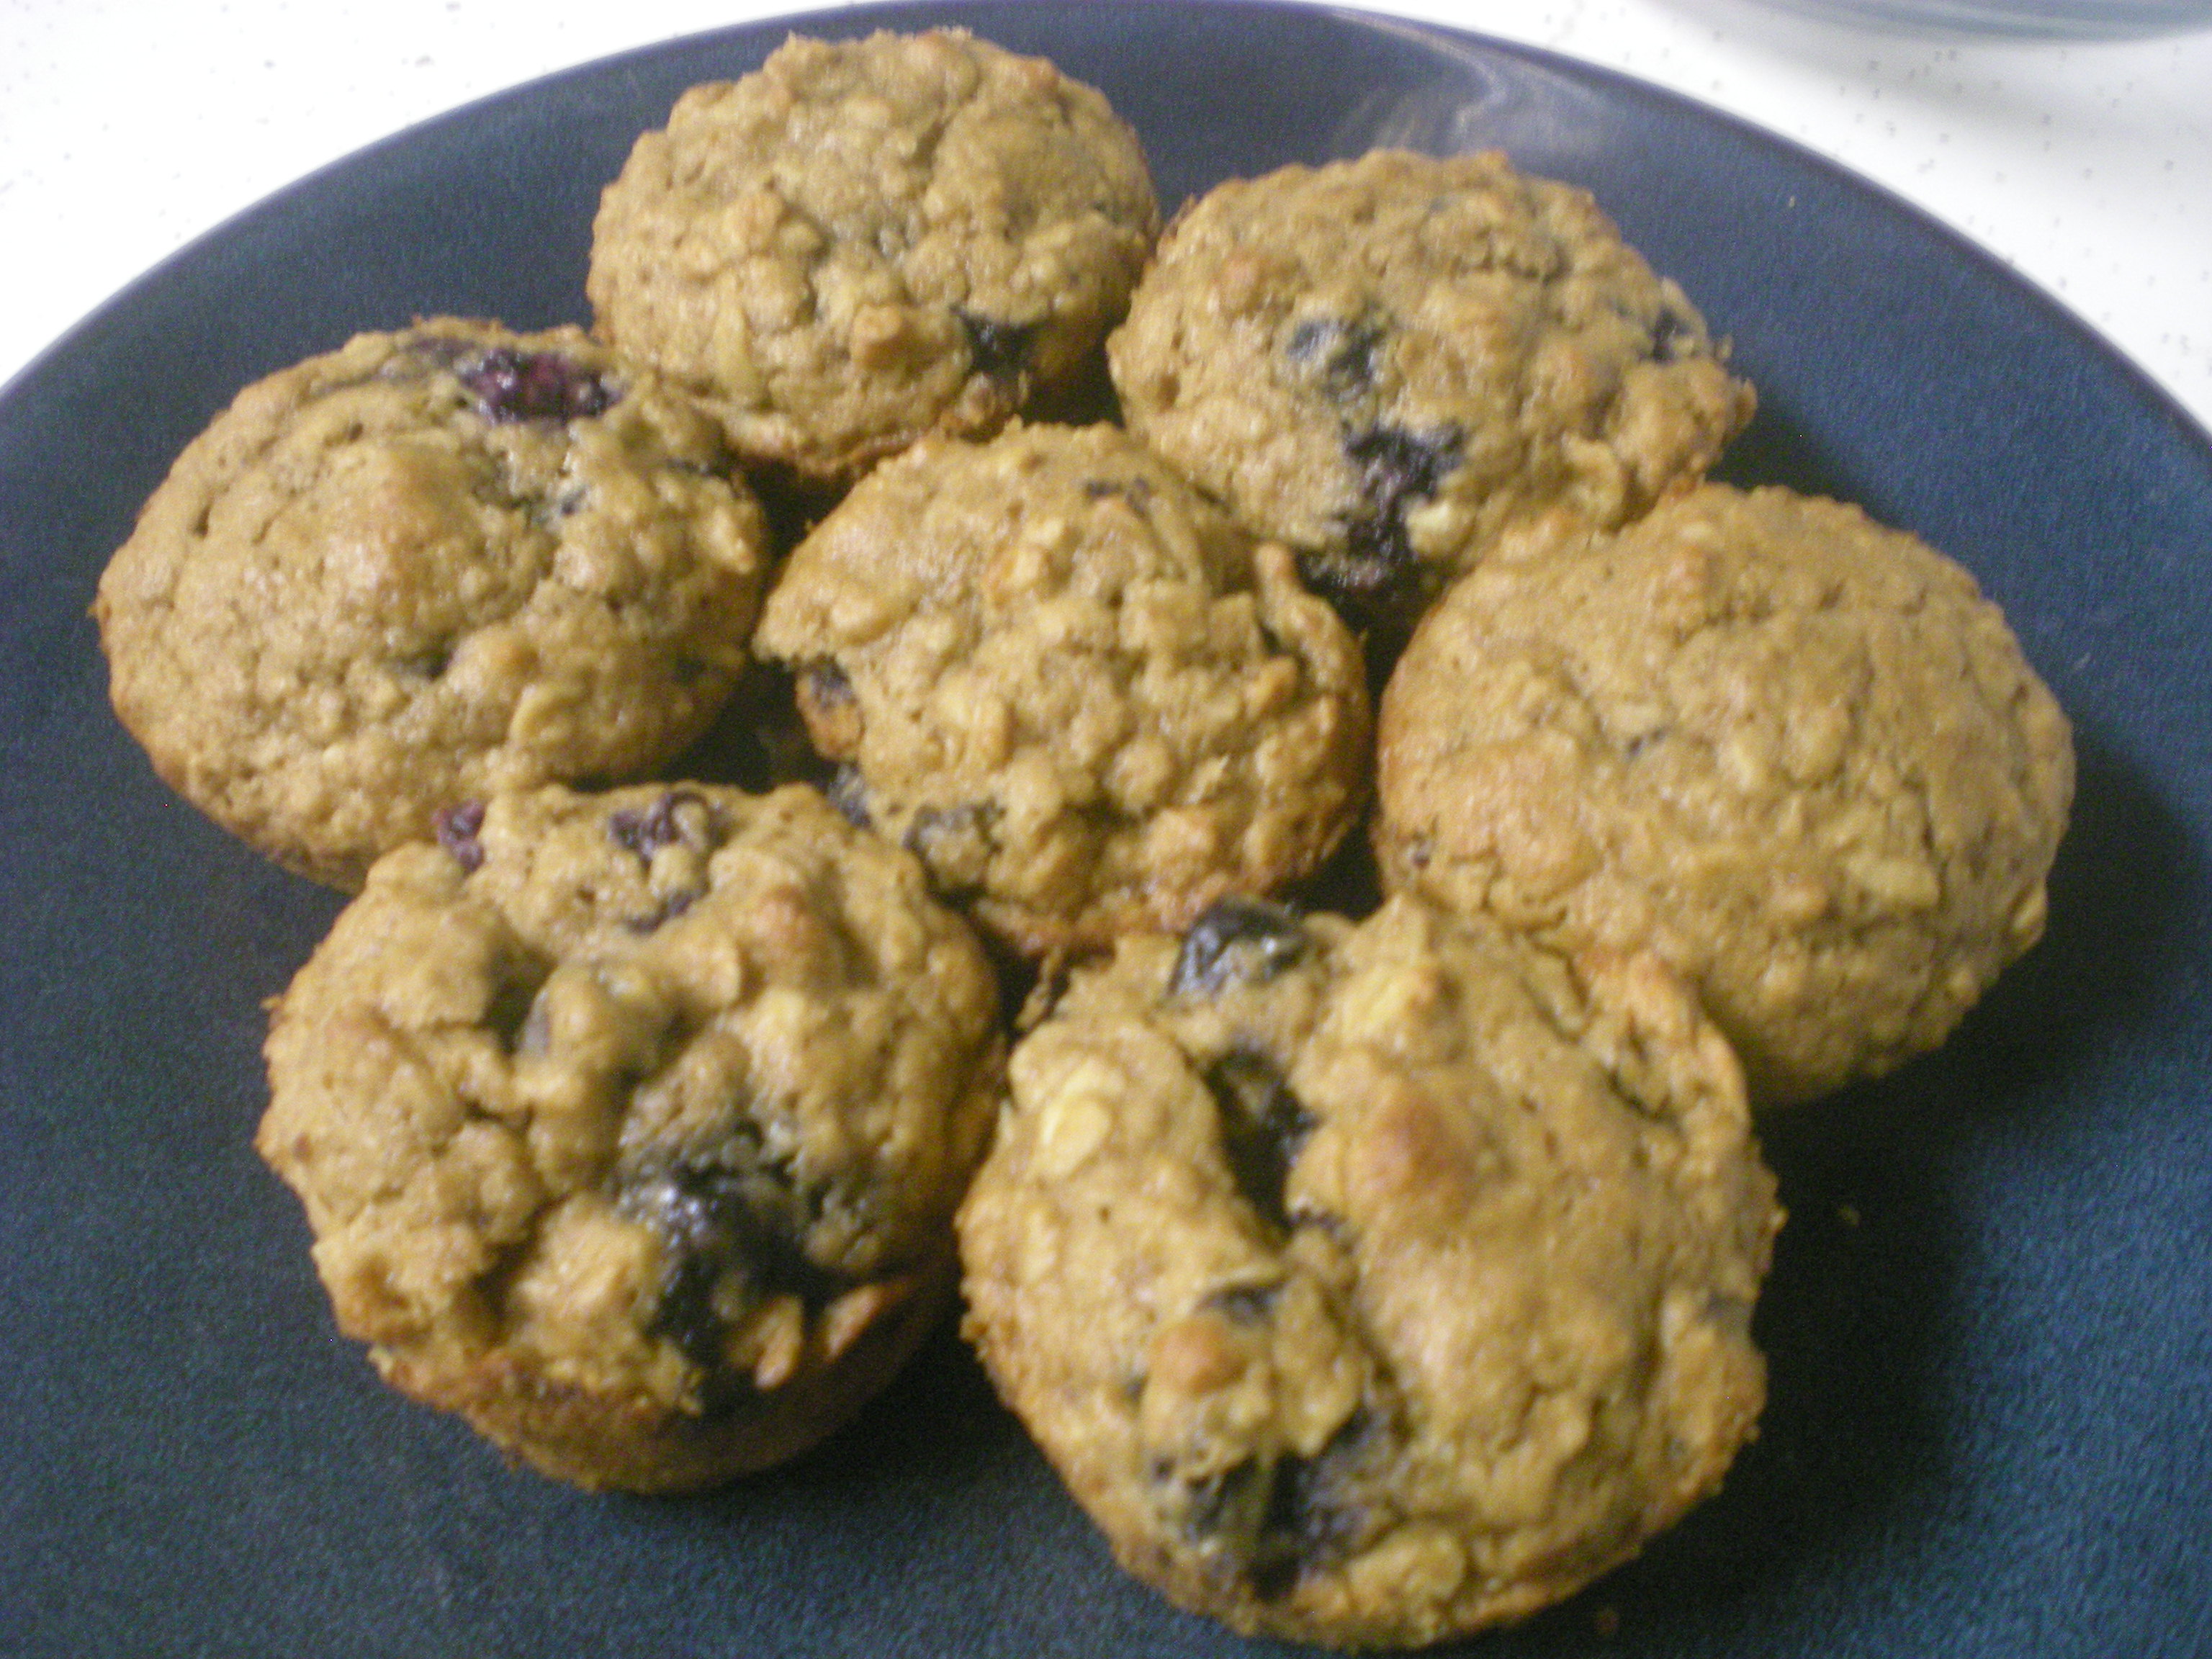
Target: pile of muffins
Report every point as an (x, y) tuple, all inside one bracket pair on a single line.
[(1370, 1277)]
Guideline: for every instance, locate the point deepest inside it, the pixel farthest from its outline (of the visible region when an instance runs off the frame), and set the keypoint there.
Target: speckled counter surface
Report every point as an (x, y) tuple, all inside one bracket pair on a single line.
[(128, 127)]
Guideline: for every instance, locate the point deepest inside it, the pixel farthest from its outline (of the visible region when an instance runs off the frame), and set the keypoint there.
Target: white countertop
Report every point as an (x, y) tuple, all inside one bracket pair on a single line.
[(127, 127)]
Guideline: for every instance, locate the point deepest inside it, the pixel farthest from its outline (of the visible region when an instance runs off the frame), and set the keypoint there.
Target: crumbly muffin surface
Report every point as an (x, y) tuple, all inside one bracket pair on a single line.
[(1391, 362), (430, 565), (1071, 685), (867, 240), (1794, 752), (1370, 1285), (631, 1126)]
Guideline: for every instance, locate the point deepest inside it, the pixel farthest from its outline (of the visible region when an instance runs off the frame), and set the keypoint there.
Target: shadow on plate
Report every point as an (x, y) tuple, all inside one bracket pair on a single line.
[(1774, 449)]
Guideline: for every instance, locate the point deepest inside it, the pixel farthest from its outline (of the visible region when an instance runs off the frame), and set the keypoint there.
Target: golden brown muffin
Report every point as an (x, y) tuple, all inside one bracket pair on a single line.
[(1371, 1284), (1796, 754), (631, 1126), (1071, 685), (431, 565), (866, 240)]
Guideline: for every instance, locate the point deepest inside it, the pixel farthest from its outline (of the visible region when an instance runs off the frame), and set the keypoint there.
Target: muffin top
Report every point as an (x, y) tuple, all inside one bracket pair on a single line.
[(655, 1100), (428, 566), (1372, 1284), (1071, 685), (1793, 752), (866, 240), (1390, 362)]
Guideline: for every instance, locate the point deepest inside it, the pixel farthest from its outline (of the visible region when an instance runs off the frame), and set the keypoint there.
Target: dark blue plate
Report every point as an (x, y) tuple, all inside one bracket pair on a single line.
[(1991, 1318)]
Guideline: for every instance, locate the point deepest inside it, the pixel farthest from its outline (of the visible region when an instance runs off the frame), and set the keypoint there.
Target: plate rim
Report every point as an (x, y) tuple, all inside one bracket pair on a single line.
[(1986, 265)]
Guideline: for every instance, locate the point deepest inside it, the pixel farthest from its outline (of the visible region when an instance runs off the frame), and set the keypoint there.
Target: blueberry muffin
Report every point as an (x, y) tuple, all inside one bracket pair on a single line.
[(1392, 362), (1071, 685), (1795, 753), (631, 1126), (432, 564), (867, 240), (1372, 1284)]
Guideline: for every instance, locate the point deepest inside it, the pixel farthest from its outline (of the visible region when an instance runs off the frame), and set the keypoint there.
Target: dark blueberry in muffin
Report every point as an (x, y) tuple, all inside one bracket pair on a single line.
[(998, 349), (1262, 1128), (1342, 355), (824, 684), (1273, 1518), (848, 792), (1246, 1304), (1135, 492), (1237, 941), (1673, 336), (1375, 580), (457, 829), (532, 386), (1397, 468), (1312, 1514), (731, 1238), (645, 831)]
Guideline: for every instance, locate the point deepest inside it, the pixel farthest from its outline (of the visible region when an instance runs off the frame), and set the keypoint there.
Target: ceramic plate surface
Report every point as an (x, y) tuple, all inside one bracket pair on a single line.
[(1989, 1320)]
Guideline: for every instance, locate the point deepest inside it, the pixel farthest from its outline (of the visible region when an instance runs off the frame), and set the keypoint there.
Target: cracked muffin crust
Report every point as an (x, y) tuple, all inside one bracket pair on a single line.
[(1071, 685), (1372, 1284), (1795, 753), (1391, 362), (631, 1126), (429, 565), (866, 240)]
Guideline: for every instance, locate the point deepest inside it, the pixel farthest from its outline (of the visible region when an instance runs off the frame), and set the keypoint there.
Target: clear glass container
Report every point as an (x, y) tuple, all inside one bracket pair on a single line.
[(2078, 19)]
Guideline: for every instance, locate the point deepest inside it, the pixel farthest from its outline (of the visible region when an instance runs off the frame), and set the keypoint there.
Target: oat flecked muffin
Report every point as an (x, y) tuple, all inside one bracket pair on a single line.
[(1371, 1284), (1070, 685), (1390, 362), (631, 1126), (866, 240), (1795, 753), (430, 565)]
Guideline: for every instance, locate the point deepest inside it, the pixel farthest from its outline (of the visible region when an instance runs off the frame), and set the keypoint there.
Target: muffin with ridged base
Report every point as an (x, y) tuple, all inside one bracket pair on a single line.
[(1372, 1284), (1393, 363), (428, 566), (1795, 753), (630, 1127), (1070, 683), (866, 240)]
